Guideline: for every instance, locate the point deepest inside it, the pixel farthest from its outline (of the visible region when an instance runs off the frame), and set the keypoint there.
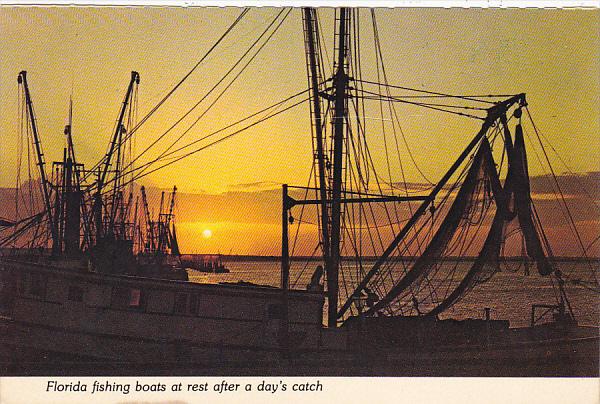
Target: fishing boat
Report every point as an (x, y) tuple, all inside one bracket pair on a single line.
[(210, 263), (82, 303)]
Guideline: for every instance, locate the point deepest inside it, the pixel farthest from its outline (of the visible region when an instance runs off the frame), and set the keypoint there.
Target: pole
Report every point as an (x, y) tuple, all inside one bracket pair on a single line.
[(312, 43), (40, 157), (340, 84), (285, 274)]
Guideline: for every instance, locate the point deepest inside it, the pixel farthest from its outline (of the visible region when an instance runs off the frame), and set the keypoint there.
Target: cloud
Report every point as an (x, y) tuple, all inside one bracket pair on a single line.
[(255, 186), (572, 185), (251, 212)]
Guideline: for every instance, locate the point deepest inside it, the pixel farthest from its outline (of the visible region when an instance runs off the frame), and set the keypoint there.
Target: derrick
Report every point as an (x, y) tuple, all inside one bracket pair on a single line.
[(22, 79)]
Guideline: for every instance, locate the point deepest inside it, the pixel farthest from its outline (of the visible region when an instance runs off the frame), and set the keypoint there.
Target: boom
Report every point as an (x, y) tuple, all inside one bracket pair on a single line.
[(115, 143), (22, 79)]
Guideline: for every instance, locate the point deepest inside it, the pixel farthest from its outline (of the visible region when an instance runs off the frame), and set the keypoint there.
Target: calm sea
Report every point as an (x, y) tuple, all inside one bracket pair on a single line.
[(509, 295)]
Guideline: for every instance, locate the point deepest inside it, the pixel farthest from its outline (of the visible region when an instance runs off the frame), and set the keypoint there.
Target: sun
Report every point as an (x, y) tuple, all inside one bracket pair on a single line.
[(207, 233)]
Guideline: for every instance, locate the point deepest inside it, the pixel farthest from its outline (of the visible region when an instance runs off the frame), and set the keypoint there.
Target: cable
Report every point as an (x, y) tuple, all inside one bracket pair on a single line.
[(168, 95)]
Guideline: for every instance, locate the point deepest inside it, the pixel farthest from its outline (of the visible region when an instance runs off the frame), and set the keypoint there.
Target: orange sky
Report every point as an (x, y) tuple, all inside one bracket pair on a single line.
[(552, 55)]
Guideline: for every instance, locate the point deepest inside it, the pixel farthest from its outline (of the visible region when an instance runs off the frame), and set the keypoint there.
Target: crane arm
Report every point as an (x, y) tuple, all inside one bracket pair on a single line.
[(22, 79)]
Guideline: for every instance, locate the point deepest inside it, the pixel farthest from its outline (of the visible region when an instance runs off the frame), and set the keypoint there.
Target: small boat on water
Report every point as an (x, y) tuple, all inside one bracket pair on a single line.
[(90, 287), (211, 263)]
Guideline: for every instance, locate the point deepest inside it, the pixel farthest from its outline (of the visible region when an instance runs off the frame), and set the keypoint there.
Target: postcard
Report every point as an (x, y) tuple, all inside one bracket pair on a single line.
[(294, 203)]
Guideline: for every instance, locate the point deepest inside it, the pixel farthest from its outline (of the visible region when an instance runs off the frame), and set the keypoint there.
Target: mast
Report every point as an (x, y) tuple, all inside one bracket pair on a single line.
[(159, 224), (71, 193), (149, 232), (116, 142), (135, 224), (22, 79), (312, 44), (168, 220), (340, 82)]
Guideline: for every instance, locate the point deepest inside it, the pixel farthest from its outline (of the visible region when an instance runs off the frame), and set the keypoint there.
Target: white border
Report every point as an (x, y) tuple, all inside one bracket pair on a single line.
[(315, 3)]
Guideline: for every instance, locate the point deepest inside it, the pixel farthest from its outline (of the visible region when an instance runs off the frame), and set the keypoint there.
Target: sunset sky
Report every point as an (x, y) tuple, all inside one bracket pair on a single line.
[(232, 189)]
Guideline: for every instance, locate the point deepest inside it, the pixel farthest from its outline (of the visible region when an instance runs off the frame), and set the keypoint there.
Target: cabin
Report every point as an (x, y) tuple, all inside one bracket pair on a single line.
[(143, 319)]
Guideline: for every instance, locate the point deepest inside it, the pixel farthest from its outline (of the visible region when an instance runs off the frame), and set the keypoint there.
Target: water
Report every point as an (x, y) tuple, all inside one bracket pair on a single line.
[(509, 295)]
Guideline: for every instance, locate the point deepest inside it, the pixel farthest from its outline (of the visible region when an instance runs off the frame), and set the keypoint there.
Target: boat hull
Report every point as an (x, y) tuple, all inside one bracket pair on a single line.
[(47, 328), (35, 350)]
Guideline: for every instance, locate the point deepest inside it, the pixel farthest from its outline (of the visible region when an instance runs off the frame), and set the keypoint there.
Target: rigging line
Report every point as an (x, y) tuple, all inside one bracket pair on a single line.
[(322, 48), (408, 243), (225, 89), (217, 84), (367, 227), (312, 170), (499, 96), (546, 243), (541, 229), (572, 221), (583, 188), (20, 153), (425, 106), (546, 176), (364, 216), (385, 146), (170, 93), (357, 149), (30, 154), (170, 154), (463, 97), (593, 242), (392, 109), (428, 103), (462, 243), (369, 159), (358, 67), (379, 188), (210, 50), (219, 140), (308, 261)]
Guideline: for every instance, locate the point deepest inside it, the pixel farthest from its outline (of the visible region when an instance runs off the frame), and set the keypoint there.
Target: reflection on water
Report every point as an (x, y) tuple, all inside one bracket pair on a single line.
[(508, 294)]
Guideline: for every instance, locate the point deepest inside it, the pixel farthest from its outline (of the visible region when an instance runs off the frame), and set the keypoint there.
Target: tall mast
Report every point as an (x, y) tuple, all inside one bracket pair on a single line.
[(149, 230), (71, 196), (312, 44), (340, 83), (41, 164), (115, 142)]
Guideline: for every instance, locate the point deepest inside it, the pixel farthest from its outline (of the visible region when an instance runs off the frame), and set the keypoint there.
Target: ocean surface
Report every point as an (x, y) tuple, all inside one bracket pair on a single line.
[(509, 294)]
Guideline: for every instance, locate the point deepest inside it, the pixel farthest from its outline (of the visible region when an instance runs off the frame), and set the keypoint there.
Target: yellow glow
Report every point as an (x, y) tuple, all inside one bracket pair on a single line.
[(234, 188)]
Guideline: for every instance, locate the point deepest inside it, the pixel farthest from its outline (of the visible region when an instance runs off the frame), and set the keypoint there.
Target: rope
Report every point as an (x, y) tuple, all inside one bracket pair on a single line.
[(568, 211), (215, 86)]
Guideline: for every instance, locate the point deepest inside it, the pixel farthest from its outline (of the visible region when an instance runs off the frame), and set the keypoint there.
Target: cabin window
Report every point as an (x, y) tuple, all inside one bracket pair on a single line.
[(135, 298), (37, 285), (193, 306), (185, 304), (275, 311), (21, 282), (75, 294), (180, 303), (127, 298)]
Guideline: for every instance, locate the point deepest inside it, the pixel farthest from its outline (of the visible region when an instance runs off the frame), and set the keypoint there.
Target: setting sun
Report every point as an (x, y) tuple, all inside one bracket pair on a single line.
[(207, 233)]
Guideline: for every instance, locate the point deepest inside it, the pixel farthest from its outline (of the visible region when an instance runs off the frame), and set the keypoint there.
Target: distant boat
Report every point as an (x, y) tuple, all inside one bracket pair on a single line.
[(212, 263)]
